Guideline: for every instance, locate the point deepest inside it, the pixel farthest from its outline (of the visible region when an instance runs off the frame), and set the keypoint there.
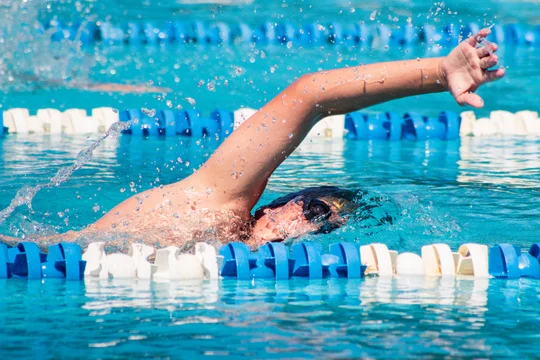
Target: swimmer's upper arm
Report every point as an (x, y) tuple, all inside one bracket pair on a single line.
[(239, 169)]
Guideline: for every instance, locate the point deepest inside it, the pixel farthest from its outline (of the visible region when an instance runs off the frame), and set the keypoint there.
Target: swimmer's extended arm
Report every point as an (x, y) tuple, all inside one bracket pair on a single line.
[(238, 171)]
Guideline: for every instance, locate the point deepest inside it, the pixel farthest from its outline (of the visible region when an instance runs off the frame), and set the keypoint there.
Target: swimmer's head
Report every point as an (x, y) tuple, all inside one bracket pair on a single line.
[(313, 210)]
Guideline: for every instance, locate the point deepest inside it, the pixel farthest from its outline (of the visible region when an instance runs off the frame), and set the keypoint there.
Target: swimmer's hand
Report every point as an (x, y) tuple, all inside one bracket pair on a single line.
[(465, 69)]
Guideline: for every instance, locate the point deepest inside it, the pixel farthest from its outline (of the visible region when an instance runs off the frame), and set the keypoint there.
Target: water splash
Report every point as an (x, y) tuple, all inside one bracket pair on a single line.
[(25, 195), (30, 59)]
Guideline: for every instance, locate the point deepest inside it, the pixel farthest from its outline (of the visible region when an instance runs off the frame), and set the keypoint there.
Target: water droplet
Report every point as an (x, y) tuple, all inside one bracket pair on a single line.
[(60, 214), (191, 100), (200, 83), (211, 87), (95, 208), (373, 15), (291, 135), (149, 112), (169, 103), (122, 190), (234, 175)]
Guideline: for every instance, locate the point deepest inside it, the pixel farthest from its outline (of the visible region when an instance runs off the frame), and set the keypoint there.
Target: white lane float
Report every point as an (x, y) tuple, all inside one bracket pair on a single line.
[(472, 260), (332, 127), (51, 120), (170, 264), (530, 120), (468, 119), (438, 260), (96, 261), (76, 121), (140, 253), (211, 263), (378, 259), (241, 115), (16, 120), (409, 264), (36, 125), (508, 123), (105, 117), (121, 266), (485, 127)]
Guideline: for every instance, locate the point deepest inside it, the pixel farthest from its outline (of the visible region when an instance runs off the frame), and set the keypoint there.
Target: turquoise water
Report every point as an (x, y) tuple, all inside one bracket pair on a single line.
[(482, 190)]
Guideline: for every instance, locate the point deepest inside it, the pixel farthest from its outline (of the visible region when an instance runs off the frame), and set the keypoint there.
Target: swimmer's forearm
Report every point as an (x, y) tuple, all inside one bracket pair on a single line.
[(344, 90)]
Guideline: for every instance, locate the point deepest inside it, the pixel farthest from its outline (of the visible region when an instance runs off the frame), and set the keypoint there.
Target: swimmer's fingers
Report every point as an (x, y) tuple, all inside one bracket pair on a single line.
[(470, 98), (489, 61), (487, 50), (478, 37), (492, 75)]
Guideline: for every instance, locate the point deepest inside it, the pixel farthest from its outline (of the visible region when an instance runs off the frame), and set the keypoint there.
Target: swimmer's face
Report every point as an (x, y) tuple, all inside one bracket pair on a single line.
[(295, 218)]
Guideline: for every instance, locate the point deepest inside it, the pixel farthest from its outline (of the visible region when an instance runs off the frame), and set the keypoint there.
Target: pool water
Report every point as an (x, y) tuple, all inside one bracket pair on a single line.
[(483, 190)]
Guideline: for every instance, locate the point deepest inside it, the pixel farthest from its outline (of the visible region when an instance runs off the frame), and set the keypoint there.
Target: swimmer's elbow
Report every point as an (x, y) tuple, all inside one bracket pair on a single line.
[(304, 93)]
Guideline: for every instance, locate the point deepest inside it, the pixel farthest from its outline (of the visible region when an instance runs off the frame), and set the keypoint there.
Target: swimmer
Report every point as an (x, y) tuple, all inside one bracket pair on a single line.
[(216, 201)]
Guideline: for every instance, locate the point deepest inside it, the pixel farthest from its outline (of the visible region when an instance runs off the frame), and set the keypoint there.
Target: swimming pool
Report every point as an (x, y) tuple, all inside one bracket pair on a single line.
[(482, 190)]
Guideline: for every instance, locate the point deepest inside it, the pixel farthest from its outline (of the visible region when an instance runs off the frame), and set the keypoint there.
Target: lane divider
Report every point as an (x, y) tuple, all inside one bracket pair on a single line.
[(220, 123), (500, 122), (365, 34), (273, 260)]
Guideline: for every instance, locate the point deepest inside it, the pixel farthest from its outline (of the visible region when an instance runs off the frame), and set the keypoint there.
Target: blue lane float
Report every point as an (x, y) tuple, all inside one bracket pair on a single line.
[(412, 126), (27, 261), (363, 34), (220, 123), (507, 261), (271, 261)]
